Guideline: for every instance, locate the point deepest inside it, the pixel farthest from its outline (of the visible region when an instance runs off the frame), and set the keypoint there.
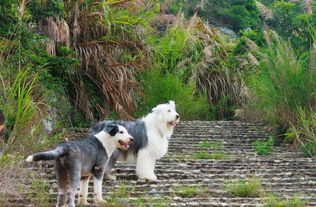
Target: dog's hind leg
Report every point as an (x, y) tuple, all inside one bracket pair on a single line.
[(62, 183), (84, 185), (110, 165), (74, 173), (145, 166)]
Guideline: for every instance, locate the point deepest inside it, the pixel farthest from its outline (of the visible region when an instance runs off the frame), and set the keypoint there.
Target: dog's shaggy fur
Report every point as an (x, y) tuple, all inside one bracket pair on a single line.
[(83, 159), (151, 136)]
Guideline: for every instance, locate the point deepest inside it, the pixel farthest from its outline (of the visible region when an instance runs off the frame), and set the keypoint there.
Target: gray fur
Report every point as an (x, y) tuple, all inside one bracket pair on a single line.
[(135, 128), (76, 160)]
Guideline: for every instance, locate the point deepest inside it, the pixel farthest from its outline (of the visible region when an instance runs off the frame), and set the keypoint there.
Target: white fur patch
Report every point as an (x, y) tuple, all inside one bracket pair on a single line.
[(173, 104), (29, 158), (159, 131)]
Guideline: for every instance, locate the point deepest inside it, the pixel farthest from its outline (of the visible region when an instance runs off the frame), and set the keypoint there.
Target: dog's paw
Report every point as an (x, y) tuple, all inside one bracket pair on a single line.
[(83, 202), (152, 177), (110, 177), (99, 201)]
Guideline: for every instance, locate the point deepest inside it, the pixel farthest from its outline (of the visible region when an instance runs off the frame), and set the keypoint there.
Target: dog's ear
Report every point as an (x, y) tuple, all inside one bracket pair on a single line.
[(112, 129), (155, 110), (173, 104)]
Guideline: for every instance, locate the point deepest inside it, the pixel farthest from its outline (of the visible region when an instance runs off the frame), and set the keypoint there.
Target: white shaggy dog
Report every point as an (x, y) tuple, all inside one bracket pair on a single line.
[(151, 137)]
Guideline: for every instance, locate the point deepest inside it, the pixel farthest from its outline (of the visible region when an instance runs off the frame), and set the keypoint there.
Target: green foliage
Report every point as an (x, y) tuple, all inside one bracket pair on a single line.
[(242, 46), (8, 15), (264, 147), (245, 188), (205, 155), (308, 149), (43, 9), (151, 201), (274, 201), (267, 2), (179, 50), (236, 15), (39, 194), (292, 23), (283, 83), (210, 144), (159, 88), (122, 21), (58, 67), (190, 192), (303, 132), (20, 109)]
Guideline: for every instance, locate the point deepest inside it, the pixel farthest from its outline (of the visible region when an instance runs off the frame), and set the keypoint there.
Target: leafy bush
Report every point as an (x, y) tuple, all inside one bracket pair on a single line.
[(265, 147), (22, 109), (160, 88), (236, 15), (283, 83), (43, 9), (303, 133), (292, 23), (198, 57)]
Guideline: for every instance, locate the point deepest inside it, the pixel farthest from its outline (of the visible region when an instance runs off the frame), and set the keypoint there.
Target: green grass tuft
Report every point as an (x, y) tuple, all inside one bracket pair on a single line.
[(191, 192), (151, 201), (265, 147), (245, 188), (205, 155), (210, 144), (273, 201)]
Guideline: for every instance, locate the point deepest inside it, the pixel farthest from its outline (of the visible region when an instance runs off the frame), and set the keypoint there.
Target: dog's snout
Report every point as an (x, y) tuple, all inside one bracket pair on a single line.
[(131, 139), (177, 116)]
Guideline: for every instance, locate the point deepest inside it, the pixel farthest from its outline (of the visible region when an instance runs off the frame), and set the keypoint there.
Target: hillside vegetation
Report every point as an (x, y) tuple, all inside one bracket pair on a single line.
[(71, 63)]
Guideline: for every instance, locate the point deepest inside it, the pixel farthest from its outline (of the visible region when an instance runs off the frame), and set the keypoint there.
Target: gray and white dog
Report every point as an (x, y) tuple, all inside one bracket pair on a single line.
[(79, 160), (151, 137)]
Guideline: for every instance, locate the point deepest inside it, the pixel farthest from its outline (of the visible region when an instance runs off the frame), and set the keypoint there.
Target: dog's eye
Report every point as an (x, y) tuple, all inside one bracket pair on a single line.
[(121, 132), (169, 110)]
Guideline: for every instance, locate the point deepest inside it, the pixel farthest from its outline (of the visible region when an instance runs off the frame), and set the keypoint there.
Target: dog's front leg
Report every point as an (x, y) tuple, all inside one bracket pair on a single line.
[(110, 165), (145, 166), (97, 184), (84, 185)]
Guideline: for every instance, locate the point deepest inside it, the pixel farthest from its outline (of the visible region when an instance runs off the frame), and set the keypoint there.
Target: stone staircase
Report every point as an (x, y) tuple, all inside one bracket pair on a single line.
[(188, 180)]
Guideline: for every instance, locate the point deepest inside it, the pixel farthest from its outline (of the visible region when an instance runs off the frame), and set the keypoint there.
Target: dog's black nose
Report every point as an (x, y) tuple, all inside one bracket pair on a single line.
[(131, 139), (177, 116)]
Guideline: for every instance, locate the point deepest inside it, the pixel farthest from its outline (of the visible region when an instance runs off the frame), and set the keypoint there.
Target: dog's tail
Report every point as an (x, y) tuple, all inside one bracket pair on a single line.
[(49, 155)]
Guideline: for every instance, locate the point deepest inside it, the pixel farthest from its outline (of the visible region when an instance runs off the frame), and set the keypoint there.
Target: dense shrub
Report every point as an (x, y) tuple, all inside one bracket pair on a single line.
[(234, 14), (160, 88), (283, 84), (293, 23)]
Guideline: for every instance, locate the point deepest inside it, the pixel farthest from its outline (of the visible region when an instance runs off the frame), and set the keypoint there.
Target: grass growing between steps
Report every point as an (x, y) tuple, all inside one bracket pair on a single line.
[(245, 188), (122, 197), (190, 192), (276, 201), (208, 144), (264, 147), (151, 202), (120, 192), (205, 155)]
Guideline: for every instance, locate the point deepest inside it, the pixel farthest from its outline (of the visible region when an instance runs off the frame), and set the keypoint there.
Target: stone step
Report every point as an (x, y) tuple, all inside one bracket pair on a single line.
[(284, 172)]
